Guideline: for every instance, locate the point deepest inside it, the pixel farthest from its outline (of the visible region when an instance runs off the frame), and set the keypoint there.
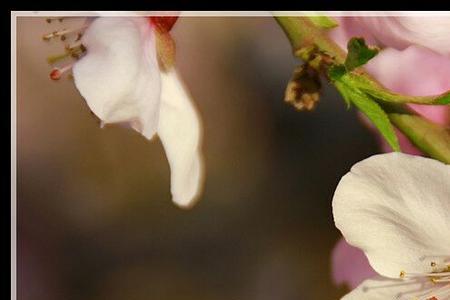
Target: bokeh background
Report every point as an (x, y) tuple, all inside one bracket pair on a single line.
[(95, 217)]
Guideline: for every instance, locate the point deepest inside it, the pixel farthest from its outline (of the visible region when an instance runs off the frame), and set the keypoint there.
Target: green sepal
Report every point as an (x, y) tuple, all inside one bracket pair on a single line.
[(358, 53), (335, 72), (372, 110)]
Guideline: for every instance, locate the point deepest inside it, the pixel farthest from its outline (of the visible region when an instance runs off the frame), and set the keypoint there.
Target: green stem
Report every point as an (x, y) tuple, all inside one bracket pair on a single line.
[(302, 33), (430, 138)]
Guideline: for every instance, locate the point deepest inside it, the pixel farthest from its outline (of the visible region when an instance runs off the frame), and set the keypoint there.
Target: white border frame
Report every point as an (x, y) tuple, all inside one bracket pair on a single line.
[(229, 13), (15, 14), (13, 158)]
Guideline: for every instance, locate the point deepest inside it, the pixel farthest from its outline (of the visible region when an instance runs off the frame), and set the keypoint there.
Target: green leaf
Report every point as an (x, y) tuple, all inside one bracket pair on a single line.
[(431, 139), (335, 72), (358, 53), (324, 21), (444, 98), (345, 92), (372, 110), (375, 89)]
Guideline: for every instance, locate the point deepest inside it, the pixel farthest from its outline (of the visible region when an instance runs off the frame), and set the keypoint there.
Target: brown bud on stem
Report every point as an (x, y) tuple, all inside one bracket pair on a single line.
[(303, 89)]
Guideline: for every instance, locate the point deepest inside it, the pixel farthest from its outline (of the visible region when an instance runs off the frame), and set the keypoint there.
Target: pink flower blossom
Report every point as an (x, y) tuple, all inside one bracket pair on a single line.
[(344, 256), (415, 61)]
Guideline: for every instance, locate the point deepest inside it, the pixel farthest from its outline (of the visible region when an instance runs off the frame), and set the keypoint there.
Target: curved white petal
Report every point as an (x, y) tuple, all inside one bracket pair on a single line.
[(396, 208), (382, 288), (119, 75), (180, 132), (401, 32)]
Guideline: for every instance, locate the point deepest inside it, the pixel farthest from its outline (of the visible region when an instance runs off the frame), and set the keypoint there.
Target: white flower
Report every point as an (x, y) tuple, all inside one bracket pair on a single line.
[(122, 83), (396, 208)]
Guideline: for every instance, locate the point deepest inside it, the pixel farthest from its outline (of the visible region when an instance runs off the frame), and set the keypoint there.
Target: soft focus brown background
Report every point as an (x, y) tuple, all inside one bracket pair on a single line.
[(95, 219)]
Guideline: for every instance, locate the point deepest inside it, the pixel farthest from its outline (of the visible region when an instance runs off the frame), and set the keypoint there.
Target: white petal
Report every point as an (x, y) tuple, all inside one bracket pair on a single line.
[(396, 208), (401, 32), (119, 76), (180, 132), (382, 288)]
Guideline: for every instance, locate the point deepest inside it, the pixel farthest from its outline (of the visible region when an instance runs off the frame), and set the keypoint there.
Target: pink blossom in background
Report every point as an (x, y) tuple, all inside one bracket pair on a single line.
[(415, 61), (414, 71), (396, 32), (350, 27), (401, 32), (349, 265)]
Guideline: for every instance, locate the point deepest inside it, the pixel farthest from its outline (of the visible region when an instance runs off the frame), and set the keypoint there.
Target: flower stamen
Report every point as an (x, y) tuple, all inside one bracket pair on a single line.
[(440, 294), (57, 73), (432, 274), (60, 19), (62, 33), (438, 278), (75, 49)]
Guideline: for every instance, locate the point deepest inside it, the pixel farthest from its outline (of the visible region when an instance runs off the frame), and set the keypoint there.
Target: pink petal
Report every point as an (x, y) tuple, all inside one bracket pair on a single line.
[(395, 32), (402, 32), (415, 71), (349, 265), (350, 27), (437, 113)]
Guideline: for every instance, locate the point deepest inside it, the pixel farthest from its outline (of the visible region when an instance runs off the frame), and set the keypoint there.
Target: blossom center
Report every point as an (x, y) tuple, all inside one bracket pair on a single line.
[(435, 284)]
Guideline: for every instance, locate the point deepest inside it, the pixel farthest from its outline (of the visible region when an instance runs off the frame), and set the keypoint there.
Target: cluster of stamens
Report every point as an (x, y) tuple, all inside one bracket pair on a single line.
[(73, 50), (438, 287)]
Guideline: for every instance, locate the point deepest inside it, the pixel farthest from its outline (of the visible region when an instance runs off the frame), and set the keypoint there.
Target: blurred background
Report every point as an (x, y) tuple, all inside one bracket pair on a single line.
[(95, 217)]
